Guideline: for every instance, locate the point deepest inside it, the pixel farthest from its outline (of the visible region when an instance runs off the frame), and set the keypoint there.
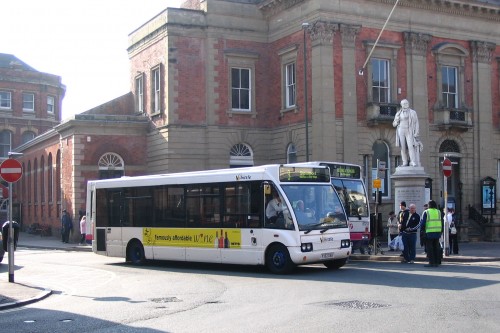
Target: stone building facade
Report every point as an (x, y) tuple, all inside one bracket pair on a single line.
[(226, 83)]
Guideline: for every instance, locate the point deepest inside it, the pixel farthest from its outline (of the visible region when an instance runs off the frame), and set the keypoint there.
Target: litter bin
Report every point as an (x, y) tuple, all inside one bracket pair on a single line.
[(5, 235)]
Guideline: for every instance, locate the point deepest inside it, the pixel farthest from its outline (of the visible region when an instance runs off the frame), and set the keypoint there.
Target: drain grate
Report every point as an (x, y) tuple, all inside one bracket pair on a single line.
[(165, 300), (358, 305)]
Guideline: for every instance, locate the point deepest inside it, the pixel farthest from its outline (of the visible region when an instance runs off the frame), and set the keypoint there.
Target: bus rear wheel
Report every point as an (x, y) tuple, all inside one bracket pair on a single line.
[(135, 253), (278, 260), (335, 264)]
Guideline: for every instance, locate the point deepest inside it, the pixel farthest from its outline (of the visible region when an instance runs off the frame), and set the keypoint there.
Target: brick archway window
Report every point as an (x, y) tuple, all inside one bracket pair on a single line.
[(111, 166)]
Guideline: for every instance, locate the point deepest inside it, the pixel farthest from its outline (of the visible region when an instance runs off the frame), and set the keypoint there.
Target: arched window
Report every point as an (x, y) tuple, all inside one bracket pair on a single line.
[(381, 154), (42, 179), (241, 155), (58, 183), (27, 136), (291, 154), (50, 185), (111, 166)]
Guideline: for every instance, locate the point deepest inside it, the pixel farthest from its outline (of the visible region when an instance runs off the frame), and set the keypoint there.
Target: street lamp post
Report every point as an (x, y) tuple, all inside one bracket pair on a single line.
[(305, 26)]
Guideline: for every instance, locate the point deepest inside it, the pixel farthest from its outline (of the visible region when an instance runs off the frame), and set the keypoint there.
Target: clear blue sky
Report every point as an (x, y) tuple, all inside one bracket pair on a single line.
[(83, 42)]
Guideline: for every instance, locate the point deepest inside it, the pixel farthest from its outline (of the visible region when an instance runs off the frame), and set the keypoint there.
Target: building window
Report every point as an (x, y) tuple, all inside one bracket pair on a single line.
[(50, 104), (5, 100), (291, 154), (139, 91), (241, 83), (450, 66), (111, 166), (380, 80), (382, 73), (27, 136), (449, 87), (290, 85), (5, 143), (156, 90), (28, 102), (240, 89), (241, 155), (50, 185)]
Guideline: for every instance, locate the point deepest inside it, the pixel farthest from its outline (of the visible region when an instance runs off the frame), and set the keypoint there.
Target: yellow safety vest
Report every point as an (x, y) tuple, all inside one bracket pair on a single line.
[(433, 221)]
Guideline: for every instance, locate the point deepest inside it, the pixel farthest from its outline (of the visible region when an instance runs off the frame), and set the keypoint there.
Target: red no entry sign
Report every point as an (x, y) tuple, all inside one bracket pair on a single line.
[(447, 167), (11, 170)]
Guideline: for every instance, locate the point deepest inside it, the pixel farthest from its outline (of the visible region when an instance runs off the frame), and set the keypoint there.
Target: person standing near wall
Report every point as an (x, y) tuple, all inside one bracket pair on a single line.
[(66, 225), (83, 229)]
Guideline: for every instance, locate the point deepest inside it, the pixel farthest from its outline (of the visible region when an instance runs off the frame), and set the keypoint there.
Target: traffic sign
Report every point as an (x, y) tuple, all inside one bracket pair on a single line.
[(11, 170), (446, 167)]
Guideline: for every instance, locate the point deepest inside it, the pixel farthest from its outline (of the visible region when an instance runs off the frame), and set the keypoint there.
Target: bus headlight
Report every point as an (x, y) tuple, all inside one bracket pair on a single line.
[(306, 247), (345, 243)]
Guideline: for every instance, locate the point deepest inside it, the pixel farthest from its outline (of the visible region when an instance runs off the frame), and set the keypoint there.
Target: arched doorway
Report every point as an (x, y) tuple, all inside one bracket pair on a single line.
[(451, 150)]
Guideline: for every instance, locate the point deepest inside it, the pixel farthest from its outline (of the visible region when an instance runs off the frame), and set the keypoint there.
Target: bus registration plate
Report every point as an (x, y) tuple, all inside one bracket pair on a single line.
[(327, 255)]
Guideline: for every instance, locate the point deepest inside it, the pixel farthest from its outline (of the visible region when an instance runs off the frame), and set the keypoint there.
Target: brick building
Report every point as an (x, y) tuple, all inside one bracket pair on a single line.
[(222, 83), (30, 104)]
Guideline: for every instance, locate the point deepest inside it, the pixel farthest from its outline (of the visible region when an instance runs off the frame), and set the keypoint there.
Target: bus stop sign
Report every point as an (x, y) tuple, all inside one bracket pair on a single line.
[(447, 167), (11, 170)]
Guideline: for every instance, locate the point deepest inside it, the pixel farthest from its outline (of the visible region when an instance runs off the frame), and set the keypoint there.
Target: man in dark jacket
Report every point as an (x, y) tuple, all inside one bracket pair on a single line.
[(403, 216), (66, 225), (410, 235)]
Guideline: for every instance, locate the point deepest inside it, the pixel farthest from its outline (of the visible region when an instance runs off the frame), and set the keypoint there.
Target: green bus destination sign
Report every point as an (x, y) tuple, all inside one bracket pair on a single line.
[(345, 171), (304, 174)]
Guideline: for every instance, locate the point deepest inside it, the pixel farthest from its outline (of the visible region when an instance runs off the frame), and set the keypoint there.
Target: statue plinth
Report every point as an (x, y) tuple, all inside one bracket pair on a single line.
[(409, 186)]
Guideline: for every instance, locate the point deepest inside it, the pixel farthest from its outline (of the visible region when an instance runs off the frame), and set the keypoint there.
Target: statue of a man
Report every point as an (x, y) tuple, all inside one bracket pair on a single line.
[(407, 134)]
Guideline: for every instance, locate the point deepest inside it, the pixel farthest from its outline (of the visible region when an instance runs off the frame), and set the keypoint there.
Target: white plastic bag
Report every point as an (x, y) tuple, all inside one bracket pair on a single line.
[(397, 243)]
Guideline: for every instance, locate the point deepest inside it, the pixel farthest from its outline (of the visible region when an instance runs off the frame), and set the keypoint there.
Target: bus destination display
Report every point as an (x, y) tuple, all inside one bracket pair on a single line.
[(345, 171), (302, 174)]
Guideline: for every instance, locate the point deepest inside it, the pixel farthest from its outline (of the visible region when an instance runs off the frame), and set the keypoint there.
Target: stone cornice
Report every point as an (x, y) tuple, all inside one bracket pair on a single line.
[(478, 9), (472, 8), (271, 7)]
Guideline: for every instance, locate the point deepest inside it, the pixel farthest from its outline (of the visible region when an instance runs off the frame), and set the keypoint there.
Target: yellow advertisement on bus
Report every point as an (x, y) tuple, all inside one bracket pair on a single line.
[(180, 237)]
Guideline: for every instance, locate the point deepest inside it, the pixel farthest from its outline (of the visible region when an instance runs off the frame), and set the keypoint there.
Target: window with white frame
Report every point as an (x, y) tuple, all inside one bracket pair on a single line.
[(50, 104), (240, 89), (449, 86), (241, 83), (382, 73), (139, 91), (28, 102), (381, 80), (5, 99), (156, 90), (5, 143), (450, 68), (290, 85)]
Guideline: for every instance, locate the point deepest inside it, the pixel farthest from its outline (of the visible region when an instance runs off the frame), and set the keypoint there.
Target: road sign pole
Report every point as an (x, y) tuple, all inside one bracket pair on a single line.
[(445, 229), (10, 243)]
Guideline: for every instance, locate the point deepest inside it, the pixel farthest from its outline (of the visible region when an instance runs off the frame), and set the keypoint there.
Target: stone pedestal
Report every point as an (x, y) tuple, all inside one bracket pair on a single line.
[(409, 186)]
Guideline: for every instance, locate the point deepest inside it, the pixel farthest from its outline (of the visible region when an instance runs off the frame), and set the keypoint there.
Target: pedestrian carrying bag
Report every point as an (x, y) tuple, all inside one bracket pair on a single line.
[(453, 230)]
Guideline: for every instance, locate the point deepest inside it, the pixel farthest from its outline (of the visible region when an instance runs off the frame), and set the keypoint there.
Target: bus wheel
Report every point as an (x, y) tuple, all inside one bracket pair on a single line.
[(335, 264), (135, 253), (278, 260)]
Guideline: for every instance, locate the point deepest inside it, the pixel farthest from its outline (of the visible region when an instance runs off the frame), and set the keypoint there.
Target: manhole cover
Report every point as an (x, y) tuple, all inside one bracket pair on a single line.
[(358, 305), (165, 300)]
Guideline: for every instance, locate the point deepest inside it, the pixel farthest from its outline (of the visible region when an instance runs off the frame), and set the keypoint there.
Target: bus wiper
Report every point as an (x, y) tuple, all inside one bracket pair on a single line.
[(312, 226)]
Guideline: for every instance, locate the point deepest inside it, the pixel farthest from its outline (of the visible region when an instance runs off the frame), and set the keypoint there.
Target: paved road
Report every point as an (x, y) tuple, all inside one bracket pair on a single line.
[(18, 294)]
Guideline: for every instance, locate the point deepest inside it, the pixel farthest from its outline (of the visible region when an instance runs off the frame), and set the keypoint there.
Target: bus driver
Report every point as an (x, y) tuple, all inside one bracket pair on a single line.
[(274, 208)]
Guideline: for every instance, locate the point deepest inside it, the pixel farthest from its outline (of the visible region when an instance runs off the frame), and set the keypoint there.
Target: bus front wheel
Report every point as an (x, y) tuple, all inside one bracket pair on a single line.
[(278, 260), (135, 253), (335, 264)]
